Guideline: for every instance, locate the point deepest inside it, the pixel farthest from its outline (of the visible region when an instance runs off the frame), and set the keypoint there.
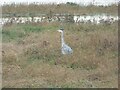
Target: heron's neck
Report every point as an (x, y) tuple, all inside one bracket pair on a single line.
[(62, 38)]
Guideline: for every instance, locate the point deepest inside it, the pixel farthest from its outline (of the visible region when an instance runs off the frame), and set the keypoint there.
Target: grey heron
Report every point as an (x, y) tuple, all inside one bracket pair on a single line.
[(65, 49)]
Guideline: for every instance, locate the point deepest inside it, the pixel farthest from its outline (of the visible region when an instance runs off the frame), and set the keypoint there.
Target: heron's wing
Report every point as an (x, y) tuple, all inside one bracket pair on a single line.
[(67, 49)]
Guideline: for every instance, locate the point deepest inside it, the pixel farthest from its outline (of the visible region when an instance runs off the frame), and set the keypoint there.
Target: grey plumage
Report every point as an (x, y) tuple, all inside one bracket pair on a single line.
[(65, 49)]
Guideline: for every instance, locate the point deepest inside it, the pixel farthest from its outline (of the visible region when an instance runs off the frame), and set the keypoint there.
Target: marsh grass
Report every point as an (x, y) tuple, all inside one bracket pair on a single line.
[(33, 9), (32, 56)]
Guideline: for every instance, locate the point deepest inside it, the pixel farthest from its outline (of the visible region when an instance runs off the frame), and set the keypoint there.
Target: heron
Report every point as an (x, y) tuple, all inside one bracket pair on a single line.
[(65, 49)]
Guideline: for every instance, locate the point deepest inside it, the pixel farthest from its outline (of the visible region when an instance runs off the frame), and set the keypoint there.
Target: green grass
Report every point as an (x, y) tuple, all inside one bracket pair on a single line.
[(17, 32)]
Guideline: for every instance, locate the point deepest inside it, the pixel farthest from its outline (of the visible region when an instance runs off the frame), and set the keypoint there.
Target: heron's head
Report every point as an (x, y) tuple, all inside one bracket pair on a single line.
[(60, 30)]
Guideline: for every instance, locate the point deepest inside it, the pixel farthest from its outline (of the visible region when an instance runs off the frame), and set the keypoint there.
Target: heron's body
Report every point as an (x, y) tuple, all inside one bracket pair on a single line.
[(65, 49)]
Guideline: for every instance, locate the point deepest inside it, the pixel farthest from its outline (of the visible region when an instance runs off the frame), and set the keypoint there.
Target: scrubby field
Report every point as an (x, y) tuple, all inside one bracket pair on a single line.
[(32, 56)]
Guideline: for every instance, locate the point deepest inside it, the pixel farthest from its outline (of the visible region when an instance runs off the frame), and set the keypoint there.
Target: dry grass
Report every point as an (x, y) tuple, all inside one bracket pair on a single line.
[(35, 60), (34, 10)]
